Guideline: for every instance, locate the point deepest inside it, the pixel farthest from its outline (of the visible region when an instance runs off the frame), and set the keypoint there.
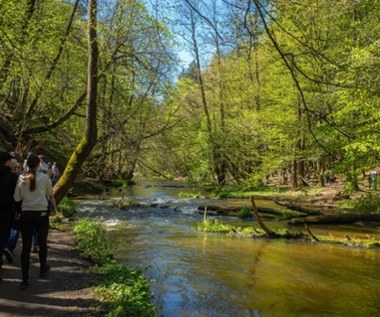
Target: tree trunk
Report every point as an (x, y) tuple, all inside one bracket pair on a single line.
[(219, 155), (336, 219), (294, 179), (294, 207), (88, 141), (216, 164)]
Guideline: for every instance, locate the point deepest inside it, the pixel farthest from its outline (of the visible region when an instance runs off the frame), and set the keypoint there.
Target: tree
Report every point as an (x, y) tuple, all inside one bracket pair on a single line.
[(88, 141), (135, 65), (37, 87)]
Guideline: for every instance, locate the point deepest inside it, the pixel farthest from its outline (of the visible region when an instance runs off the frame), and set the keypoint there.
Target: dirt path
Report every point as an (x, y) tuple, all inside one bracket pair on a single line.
[(66, 291)]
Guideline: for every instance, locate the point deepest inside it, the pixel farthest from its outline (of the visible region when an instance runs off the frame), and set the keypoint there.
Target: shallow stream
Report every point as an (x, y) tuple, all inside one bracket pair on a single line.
[(193, 274)]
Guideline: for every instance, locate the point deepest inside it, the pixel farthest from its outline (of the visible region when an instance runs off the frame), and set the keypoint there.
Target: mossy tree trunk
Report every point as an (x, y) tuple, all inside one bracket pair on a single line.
[(85, 146)]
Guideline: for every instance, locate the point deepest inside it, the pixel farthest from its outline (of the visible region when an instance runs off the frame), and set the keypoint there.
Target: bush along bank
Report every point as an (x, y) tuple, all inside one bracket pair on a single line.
[(123, 292)]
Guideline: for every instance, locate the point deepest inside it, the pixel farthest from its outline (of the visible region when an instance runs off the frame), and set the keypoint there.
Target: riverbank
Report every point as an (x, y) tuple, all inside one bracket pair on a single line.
[(67, 290), (195, 273)]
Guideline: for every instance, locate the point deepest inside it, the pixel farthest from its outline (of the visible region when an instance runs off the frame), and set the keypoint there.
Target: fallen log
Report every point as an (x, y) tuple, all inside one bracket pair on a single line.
[(299, 208), (336, 219), (220, 210)]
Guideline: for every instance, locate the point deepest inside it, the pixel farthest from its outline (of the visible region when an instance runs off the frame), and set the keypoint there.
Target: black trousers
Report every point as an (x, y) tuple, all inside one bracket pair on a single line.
[(5, 228), (29, 221)]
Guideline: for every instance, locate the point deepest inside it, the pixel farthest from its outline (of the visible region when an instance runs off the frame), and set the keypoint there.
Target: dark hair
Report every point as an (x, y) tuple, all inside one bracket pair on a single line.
[(32, 162), (5, 156)]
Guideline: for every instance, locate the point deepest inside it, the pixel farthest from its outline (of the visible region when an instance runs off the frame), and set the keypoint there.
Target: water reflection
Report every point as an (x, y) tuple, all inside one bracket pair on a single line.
[(196, 274)]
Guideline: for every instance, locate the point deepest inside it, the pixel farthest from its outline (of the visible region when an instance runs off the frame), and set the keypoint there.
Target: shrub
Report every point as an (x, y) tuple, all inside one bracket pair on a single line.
[(66, 207), (91, 241), (245, 213), (124, 292), (369, 203)]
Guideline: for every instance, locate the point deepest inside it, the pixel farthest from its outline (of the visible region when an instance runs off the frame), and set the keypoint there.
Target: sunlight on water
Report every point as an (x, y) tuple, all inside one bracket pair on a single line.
[(196, 274)]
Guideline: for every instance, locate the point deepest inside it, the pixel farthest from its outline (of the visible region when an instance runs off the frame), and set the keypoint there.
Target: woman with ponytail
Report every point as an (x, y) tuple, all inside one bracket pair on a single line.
[(34, 189)]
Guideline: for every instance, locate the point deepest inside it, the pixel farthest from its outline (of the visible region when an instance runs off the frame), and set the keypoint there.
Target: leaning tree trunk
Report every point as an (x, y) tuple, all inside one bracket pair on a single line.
[(262, 225), (84, 148)]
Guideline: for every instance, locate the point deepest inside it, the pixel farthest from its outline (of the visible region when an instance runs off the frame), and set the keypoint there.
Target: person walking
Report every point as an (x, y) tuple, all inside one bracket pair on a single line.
[(44, 167), (10, 245), (34, 189), (8, 181), (55, 173)]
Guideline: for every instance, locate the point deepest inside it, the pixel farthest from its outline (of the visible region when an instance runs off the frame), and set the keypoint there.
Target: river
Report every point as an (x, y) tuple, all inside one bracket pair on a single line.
[(194, 274)]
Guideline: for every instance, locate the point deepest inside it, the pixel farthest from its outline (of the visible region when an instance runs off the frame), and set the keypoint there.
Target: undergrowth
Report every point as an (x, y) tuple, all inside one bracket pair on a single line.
[(219, 227), (66, 209), (369, 203), (124, 292)]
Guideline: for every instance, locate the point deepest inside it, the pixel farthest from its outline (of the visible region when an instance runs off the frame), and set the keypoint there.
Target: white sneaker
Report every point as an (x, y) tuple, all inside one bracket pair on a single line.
[(8, 255)]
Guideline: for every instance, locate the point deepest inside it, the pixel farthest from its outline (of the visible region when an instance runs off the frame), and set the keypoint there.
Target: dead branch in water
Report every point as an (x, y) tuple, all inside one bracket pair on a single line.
[(268, 231), (313, 237)]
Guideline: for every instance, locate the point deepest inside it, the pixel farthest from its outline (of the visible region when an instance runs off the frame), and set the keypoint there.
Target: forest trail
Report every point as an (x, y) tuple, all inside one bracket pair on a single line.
[(66, 291)]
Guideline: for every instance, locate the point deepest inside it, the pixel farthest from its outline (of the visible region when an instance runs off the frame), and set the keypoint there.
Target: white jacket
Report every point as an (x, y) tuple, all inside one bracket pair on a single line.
[(34, 200)]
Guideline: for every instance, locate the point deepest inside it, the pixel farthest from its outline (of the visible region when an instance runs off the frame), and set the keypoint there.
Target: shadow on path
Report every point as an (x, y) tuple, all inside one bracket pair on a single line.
[(66, 291)]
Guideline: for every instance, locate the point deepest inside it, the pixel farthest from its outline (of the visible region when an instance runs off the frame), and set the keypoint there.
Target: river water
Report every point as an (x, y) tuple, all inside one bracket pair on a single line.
[(194, 274)]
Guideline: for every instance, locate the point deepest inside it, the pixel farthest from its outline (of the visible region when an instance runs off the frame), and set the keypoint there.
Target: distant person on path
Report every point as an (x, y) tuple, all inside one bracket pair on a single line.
[(328, 177), (373, 180), (44, 167), (54, 173), (8, 181), (24, 165), (34, 189)]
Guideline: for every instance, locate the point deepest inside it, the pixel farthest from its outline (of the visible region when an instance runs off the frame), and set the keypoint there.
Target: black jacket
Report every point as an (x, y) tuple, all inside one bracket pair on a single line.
[(8, 181)]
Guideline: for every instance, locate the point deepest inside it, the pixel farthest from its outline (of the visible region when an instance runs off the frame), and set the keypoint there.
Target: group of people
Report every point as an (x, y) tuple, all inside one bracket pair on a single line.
[(51, 169), (26, 197)]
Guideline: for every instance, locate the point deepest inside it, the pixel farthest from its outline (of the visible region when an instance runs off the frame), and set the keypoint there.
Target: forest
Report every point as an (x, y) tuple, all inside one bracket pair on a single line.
[(282, 88), (238, 95)]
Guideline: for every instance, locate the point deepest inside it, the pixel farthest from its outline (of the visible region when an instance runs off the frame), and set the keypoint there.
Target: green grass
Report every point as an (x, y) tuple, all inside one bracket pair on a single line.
[(369, 243), (189, 195), (123, 292), (263, 192), (219, 227)]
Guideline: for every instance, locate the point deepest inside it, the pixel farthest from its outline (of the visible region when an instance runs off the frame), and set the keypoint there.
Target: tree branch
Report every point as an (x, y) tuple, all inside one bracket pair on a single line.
[(297, 84), (59, 121), (54, 63)]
